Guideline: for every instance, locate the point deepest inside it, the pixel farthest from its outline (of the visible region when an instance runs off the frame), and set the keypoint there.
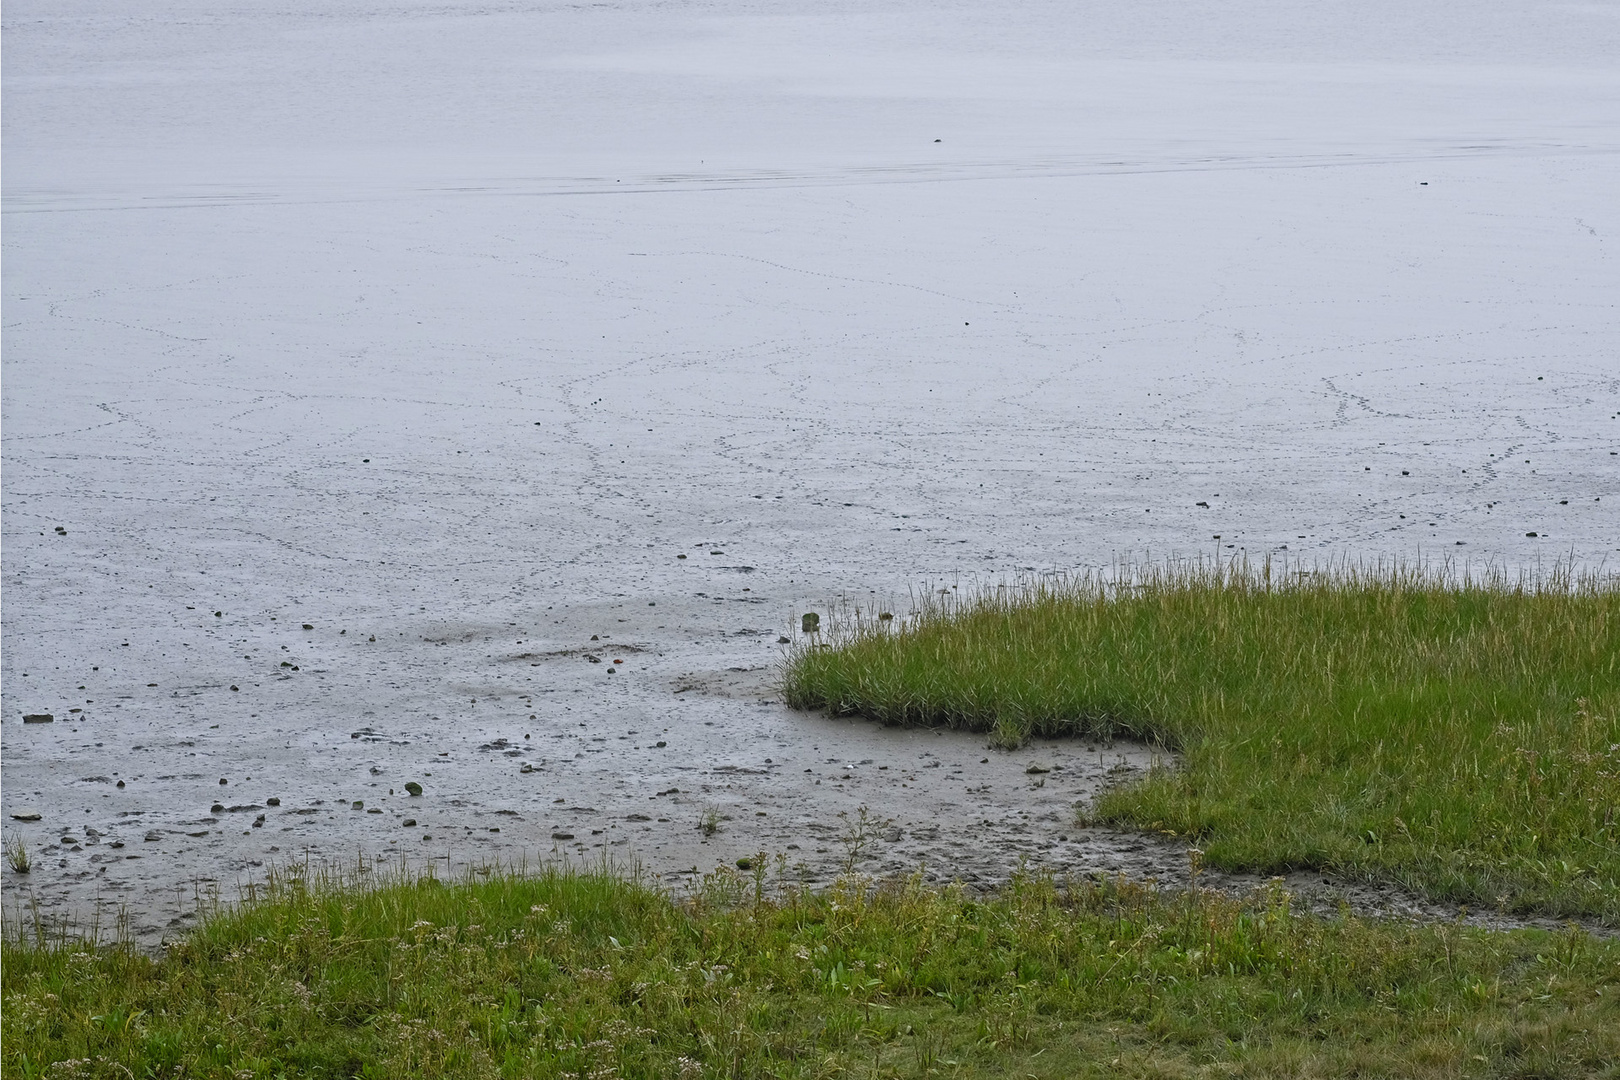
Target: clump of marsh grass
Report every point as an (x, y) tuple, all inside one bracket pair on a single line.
[(17, 856), (1455, 731)]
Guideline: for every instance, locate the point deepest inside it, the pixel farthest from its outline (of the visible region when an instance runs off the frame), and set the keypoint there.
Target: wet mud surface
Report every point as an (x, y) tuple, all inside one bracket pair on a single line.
[(346, 448)]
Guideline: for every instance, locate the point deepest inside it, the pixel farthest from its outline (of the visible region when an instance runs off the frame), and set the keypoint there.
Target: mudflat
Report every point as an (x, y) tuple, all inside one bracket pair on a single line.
[(369, 372)]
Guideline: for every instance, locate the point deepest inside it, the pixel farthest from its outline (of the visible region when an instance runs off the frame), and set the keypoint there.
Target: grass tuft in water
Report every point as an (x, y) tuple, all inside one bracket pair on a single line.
[(1458, 734)]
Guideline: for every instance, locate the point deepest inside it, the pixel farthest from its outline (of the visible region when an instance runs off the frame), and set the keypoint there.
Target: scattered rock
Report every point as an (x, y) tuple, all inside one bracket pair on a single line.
[(745, 863), (307, 626), (562, 836), (120, 783), (1035, 770), (153, 836), (217, 808), (638, 817), (38, 718), (413, 788), (784, 640), (893, 835), (409, 823), (527, 768), (26, 815), (223, 781), (359, 804), (660, 744), (272, 801), (258, 822)]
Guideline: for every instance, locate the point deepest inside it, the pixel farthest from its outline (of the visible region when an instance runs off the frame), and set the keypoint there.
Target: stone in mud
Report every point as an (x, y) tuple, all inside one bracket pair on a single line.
[(784, 640), (258, 822), (638, 817), (26, 815), (413, 788), (409, 822), (1035, 770), (38, 718), (745, 863), (527, 768), (120, 783), (272, 801), (217, 808), (893, 835), (359, 804), (562, 836), (153, 836)]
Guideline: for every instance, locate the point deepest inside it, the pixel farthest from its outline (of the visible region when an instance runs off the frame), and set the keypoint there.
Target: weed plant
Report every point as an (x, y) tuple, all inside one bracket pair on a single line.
[(586, 975), (17, 856), (1457, 734)]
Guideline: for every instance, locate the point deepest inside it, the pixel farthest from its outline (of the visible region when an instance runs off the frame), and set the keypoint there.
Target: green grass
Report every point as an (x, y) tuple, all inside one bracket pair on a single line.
[(1459, 737), (593, 977)]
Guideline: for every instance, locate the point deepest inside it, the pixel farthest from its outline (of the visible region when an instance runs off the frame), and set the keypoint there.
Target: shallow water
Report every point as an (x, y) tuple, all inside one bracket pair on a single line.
[(455, 327)]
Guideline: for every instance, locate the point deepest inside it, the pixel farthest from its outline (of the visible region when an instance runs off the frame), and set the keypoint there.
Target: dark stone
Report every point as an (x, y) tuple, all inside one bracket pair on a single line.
[(38, 718), (413, 788)]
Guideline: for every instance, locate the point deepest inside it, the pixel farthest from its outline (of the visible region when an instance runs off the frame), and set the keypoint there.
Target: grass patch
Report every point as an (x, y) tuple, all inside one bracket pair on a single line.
[(589, 976), (1460, 737)]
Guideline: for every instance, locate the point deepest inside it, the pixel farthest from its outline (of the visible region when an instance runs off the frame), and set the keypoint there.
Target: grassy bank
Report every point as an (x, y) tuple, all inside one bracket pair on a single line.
[(587, 976), (1462, 738)]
